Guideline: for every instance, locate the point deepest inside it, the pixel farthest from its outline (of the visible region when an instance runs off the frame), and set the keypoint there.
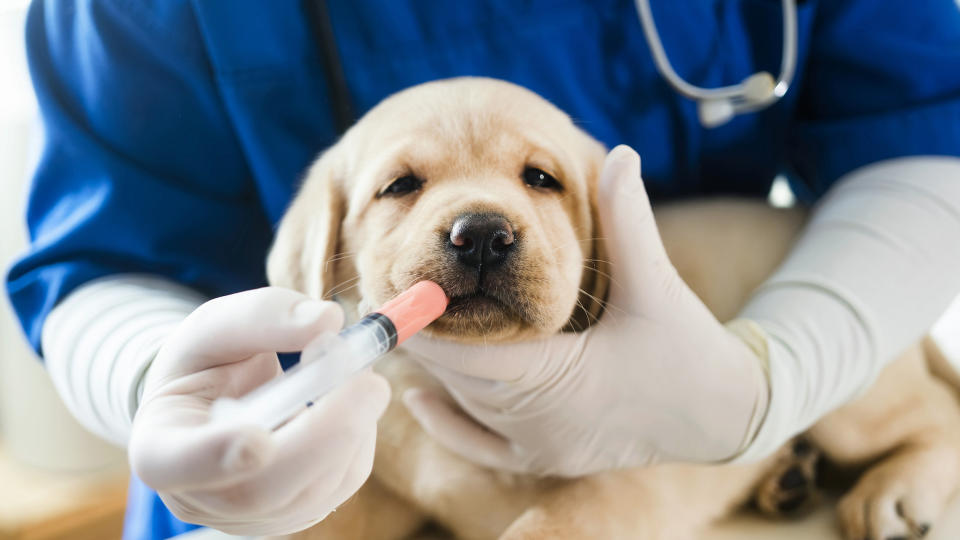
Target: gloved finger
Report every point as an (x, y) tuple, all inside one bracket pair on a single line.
[(318, 500), (460, 434), (326, 436), (271, 319), (316, 446), (314, 502), (356, 474), (185, 509), (241, 378), (181, 457), (483, 398), (510, 362), (299, 509), (468, 386), (639, 263)]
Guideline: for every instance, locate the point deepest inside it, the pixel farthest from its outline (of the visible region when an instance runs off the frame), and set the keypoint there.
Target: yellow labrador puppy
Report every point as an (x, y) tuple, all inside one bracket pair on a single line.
[(437, 168)]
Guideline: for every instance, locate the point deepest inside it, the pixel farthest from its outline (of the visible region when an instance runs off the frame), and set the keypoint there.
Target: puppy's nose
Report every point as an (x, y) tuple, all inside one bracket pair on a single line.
[(481, 240)]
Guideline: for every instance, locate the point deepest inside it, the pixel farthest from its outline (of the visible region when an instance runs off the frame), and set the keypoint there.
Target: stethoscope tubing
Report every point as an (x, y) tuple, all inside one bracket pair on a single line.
[(736, 92), (318, 14)]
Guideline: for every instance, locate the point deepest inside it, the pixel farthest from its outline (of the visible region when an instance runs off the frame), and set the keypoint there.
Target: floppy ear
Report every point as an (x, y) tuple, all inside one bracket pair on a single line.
[(306, 241), (596, 269)]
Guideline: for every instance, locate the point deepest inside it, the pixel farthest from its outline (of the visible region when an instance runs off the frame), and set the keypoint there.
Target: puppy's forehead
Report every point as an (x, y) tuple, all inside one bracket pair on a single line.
[(464, 105), (461, 127)]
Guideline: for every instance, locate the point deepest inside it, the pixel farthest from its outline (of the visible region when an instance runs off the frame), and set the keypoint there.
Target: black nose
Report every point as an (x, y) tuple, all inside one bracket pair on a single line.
[(481, 240)]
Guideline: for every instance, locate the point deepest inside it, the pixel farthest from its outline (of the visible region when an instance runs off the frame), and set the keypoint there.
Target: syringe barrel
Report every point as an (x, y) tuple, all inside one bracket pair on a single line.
[(326, 363)]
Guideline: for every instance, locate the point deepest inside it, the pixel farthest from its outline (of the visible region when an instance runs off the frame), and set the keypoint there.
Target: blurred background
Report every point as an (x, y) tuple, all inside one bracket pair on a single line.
[(56, 480)]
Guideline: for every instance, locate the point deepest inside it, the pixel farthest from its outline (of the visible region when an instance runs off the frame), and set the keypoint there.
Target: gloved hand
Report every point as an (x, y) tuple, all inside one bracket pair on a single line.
[(657, 379), (242, 479)]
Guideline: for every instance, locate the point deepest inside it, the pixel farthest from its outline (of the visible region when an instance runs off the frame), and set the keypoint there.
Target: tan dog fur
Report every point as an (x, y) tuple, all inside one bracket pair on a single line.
[(470, 139)]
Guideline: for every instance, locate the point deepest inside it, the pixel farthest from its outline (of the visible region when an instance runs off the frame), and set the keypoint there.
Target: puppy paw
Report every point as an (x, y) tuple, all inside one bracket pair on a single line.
[(789, 487), (901, 497)]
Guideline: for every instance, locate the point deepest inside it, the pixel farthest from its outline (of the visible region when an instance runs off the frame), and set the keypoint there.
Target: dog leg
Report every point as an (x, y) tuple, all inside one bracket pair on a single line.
[(902, 496), (374, 513), (789, 488), (473, 502), (908, 426), (666, 502)]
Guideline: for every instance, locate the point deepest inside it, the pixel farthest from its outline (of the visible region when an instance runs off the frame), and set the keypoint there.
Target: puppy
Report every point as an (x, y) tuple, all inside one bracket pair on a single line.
[(488, 190)]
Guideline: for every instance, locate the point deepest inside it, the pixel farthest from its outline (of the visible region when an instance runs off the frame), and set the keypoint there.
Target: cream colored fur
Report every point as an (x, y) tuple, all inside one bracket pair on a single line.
[(470, 139)]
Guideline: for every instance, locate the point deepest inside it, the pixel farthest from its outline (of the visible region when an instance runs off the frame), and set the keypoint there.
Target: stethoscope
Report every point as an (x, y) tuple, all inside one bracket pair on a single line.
[(715, 106)]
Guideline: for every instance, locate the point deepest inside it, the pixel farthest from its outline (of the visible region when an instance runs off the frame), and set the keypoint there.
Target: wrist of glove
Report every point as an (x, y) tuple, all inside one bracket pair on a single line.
[(755, 339), (658, 379), (240, 478)]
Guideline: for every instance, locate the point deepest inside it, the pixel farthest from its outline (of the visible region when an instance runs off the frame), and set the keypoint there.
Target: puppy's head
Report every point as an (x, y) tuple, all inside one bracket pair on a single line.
[(479, 185)]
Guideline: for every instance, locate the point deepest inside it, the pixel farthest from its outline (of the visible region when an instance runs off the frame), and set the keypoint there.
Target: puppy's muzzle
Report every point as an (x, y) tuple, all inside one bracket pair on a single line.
[(481, 242)]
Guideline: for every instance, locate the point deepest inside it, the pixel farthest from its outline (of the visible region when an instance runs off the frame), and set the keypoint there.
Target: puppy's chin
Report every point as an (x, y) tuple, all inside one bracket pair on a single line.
[(476, 331), (479, 318)]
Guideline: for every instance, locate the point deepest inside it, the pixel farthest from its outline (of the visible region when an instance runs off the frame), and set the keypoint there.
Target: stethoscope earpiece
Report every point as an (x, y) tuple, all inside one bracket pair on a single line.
[(715, 112), (758, 88)]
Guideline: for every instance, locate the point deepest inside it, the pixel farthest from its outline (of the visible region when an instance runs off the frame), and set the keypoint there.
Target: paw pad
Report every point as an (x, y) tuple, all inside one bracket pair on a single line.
[(789, 487)]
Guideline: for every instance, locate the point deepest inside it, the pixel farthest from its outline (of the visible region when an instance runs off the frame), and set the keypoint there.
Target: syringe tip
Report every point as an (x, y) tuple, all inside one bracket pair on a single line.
[(415, 308)]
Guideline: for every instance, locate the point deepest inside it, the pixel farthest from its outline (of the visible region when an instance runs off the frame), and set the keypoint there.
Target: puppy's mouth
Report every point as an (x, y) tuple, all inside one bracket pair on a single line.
[(472, 303), (479, 314), (480, 307), (482, 293)]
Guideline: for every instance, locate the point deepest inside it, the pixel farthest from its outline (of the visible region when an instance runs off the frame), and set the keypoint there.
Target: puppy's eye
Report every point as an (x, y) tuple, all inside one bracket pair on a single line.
[(535, 177), (402, 186)]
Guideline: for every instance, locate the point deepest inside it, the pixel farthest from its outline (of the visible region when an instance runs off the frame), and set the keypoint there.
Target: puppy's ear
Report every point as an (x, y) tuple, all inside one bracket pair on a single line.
[(302, 256), (596, 269)]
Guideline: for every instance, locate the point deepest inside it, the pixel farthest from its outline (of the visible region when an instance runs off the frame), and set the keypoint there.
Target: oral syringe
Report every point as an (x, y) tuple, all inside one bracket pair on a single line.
[(330, 360)]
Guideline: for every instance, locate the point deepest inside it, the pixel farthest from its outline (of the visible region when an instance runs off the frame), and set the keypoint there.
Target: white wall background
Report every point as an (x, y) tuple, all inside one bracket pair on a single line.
[(34, 425)]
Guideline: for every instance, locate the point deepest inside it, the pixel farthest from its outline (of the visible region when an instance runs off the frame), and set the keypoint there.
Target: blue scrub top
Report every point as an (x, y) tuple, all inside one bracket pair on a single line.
[(176, 131)]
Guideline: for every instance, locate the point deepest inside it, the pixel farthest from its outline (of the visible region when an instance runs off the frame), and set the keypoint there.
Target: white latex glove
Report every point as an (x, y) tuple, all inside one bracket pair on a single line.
[(242, 479), (657, 379)]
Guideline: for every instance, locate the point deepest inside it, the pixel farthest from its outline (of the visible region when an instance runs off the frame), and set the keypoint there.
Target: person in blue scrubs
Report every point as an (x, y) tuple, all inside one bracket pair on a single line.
[(175, 133)]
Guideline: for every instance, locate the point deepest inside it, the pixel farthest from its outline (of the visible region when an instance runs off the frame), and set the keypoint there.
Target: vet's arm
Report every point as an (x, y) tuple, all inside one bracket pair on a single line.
[(99, 341), (875, 267), (115, 336)]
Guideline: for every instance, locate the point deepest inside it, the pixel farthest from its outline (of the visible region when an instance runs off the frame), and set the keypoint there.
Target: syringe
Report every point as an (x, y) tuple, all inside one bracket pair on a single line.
[(329, 361)]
